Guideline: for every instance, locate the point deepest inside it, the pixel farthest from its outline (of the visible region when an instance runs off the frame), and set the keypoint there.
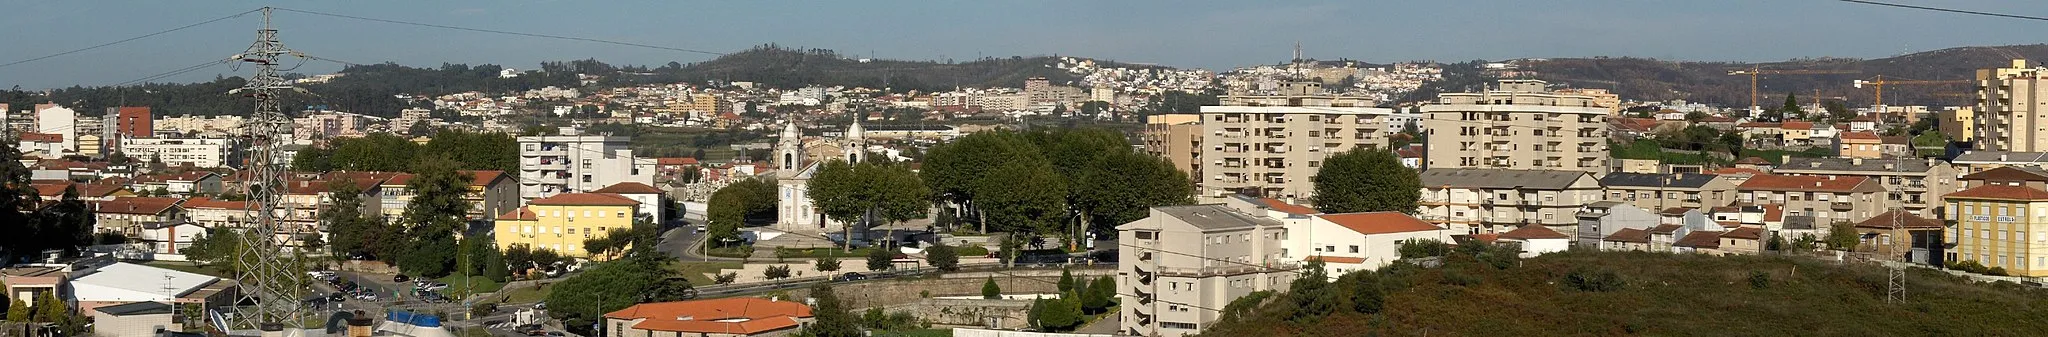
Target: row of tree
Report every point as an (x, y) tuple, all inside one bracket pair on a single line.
[(1040, 182), (33, 226), (387, 152)]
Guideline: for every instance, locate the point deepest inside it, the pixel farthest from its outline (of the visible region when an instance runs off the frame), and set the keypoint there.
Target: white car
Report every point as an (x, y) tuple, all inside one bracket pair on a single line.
[(701, 228)]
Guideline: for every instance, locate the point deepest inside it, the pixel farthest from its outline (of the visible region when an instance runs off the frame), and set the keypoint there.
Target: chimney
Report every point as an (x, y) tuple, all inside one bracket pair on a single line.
[(359, 326), (1856, 161), (1784, 159)]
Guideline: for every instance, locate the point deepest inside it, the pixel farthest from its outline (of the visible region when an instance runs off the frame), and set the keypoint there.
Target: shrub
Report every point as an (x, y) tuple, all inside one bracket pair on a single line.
[(726, 278), (975, 251), (989, 290), (944, 257), (1424, 248), (776, 272), (1759, 279), (828, 264), (1366, 295), (1589, 280), (1460, 278), (1996, 271)]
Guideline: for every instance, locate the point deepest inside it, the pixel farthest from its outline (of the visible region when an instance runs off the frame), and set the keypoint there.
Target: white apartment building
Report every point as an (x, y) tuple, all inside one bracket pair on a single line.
[(1181, 262), (1476, 201), (1356, 241), (57, 119), (198, 152), (1257, 148), (1518, 125), (572, 162)]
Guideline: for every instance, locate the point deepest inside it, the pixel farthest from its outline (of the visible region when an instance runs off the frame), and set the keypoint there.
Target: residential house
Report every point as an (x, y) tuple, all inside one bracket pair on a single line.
[(170, 237), (214, 213), (1861, 144), (1179, 260), (1922, 182), (1743, 241), (1902, 236), (303, 200), (725, 317), (1476, 201), (1601, 219), (1627, 239), (1661, 191), (1356, 241), (650, 198), (1537, 240), (1663, 237), (191, 182), (128, 216), (1699, 242), (1829, 199), (2028, 176)]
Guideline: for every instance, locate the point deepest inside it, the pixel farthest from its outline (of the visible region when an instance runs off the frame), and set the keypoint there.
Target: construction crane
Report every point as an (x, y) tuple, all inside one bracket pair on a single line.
[(1756, 71), (1879, 82)]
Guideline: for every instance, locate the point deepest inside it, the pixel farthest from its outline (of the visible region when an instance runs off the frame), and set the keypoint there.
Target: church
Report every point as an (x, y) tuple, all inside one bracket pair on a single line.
[(796, 161)]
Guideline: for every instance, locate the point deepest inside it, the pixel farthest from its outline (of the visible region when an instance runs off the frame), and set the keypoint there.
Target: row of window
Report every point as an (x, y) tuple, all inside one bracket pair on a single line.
[(2013, 262)]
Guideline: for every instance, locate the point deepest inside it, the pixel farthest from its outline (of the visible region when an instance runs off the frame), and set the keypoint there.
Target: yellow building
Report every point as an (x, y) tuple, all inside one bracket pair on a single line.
[(561, 222), (1994, 224)]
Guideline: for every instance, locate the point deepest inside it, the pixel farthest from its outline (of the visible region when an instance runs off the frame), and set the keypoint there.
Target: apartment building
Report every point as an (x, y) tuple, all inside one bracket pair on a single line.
[(1921, 182), (570, 162), (1518, 125), (197, 152), (1182, 260), (1958, 123), (1477, 201), (1178, 138), (1994, 227), (562, 221), (1829, 199), (1656, 192), (1355, 241), (2008, 112), (1272, 145)]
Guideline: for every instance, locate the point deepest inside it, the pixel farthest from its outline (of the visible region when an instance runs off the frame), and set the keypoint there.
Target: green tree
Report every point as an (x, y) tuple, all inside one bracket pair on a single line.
[(1025, 198), (731, 206), (1366, 180), (17, 311), (989, 289), (1101, 296), (1311, 295), (830, 318), (944, 257), (1066, 284), (17, 201), (828, 264), (420, 128), (49, 308), (856, 193), (1366, 295), (1424, 248), (1122, 186), (1843, 236), (642, 275), (881, 258), (775, 272), (955, 171), (436, 212), (1056, 314), (494, 151), (351, 232)]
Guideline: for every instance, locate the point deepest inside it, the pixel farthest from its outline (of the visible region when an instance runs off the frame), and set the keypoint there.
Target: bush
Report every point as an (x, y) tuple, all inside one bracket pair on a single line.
[(776, 272), (972, 250), (880, 259), (1759, 279), (1589, 280), (1424, 248), (944, 257), (1460, 278), (483, 309), (726, 278), (828, 264), (1366, 295), (989, 290)]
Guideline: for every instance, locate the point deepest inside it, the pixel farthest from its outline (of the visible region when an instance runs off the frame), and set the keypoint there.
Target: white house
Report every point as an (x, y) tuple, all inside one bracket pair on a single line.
[(648, 196), (1537, 240), (171, 237), (1355, 241)]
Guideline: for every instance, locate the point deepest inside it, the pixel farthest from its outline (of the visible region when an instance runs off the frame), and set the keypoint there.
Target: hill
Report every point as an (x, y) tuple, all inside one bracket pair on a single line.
[(1636, 293), (793, 68), (1709, 82)]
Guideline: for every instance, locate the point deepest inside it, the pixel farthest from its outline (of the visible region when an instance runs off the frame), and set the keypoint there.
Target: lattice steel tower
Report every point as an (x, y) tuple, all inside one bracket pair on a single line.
[(270, 276)]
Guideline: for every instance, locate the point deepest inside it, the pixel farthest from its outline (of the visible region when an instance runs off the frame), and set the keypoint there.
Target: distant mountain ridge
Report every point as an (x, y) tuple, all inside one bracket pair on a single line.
[(1710, 82)]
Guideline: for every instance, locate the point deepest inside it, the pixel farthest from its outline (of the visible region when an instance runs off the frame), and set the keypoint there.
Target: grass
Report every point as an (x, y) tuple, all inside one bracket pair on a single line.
[(1657, 294), (189, 268), (699, 272), (733, 252), (525, 295), (822, 252), (458, 288)]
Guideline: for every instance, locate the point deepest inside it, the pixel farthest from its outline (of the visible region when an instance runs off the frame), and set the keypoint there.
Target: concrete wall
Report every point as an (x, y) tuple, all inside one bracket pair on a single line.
[(964, 332), (1003, 314), (896, 292)]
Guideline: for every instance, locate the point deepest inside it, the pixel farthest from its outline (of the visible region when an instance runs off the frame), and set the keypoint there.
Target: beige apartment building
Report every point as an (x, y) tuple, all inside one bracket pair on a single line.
[(1920, 182), (1270, 146), (1959, 123), (2008, 112), (1518, 125), (1658, 192), (1178, 138), (1182, 262), (1475, 201), (1828, 199)]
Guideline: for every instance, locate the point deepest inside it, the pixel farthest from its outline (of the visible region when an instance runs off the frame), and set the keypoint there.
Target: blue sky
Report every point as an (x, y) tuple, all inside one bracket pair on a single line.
[(1206, 34)]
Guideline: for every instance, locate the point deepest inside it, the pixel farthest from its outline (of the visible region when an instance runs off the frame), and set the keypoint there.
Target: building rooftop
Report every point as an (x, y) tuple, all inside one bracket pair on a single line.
[(585, 199), (629, 187), (1379, 222), (1629, 235), (1215, 217), (2004, 192), (737, 316), (1500, 178), (1678, 180), (1700, 239), (1899, 219), (1533, 232), (1750, 233), (1772, 182), (2010, 173), (136, 308), (520, 213), (126, 282), (1854, 164), (2001, 157)]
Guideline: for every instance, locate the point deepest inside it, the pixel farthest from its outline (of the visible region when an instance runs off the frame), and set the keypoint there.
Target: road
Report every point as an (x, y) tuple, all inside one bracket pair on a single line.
[(686, 245)]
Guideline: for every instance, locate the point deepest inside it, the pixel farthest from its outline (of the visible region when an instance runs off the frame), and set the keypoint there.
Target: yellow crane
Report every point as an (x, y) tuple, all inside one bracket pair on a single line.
[(1755, 71), (1879, 82)]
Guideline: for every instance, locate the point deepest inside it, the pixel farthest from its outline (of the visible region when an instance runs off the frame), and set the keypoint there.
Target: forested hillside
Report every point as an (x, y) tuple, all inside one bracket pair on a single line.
[(1710, 82)]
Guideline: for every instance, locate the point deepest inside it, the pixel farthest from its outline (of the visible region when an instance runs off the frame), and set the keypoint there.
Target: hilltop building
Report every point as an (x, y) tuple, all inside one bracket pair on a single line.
[(1518, 125)]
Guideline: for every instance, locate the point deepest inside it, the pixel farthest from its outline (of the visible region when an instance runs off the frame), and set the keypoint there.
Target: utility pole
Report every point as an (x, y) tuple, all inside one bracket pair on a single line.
[(267, 271)]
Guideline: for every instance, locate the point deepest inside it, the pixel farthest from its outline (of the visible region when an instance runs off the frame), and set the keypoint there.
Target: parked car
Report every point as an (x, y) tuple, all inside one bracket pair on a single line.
[(400, 278), (530, 330), (850, 276), (543, 305), (701, 228), (337, 297), (436, 286)]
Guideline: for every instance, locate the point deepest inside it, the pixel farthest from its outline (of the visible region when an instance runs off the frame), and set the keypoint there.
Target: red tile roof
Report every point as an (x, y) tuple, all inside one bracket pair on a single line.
[(629, 188), (739, 316), (2006, 173), (1629, 235), (1758, 125), (1774, 213), (1906, 220), (1860, 135), (1487, 238), (1746, 233), (1753, 161), (1772, 182), (1284, 207), (519, 214), (1700, 239), (1798, 125), (2004, 192), (42, 137), (138, 205), (586, 199), (675, 161), (1379, 222), (1337, 259), (483, 177), (1674, 211), (210, 203), (1665, 229), (1533, 232)]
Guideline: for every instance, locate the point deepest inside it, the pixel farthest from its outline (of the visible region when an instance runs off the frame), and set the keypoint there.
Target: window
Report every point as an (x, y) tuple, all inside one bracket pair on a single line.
[(622, 214), (572, 231), (1143, 235), (1329, 248), (1354, 248), (1177, 325), (586, 178)]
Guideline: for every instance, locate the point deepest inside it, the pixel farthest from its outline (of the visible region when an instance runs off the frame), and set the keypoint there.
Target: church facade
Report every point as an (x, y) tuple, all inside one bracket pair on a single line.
[(796, 161)]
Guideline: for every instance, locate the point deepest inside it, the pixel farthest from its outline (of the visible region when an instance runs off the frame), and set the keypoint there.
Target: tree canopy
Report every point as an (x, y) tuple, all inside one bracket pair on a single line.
[(855, 193), (1366, 180), (732, 205)]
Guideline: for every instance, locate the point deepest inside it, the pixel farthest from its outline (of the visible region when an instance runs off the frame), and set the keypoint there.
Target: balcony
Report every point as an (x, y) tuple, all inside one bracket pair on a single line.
[(1841, 205)]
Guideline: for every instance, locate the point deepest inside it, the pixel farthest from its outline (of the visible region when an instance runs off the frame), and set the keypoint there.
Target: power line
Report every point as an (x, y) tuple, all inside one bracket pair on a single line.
[(1948, 10), (73, 51), (177, 72), (559, 37)]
